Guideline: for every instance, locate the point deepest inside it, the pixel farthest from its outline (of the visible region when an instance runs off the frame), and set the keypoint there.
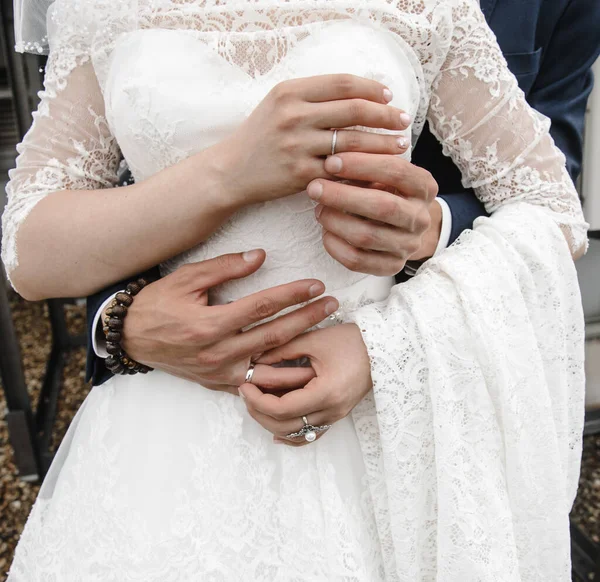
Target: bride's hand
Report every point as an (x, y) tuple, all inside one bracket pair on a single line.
[(340, 360), (281, 147)]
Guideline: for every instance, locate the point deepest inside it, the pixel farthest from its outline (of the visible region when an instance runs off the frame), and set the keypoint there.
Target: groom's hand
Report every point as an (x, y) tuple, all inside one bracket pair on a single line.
[(170, 325), (382, 218)]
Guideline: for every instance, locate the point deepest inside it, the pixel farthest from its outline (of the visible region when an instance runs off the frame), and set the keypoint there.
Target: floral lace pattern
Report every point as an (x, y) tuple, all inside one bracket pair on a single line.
[(462, 464)]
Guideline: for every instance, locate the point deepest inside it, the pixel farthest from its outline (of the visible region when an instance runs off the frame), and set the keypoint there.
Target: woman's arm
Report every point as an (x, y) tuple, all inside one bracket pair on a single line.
[(88, 233), (75, 233)]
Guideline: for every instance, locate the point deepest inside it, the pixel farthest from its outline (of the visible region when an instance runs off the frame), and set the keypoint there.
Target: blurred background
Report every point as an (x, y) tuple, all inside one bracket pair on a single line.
[(42, 353)]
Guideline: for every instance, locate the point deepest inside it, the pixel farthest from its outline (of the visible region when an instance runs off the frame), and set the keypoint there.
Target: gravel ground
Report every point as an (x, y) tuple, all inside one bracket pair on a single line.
[(33, 328), (17, 497)]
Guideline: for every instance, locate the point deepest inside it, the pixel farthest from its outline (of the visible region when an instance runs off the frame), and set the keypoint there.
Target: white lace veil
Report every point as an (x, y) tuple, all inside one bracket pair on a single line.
[(31, 31)]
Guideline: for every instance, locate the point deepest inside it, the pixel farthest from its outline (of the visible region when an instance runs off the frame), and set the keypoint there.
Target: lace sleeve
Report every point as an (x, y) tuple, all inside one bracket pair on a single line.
[(501, 145), (68, 147)]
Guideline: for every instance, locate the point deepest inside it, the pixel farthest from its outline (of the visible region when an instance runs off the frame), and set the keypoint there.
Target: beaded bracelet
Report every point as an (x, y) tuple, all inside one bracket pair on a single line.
[(118, 362)]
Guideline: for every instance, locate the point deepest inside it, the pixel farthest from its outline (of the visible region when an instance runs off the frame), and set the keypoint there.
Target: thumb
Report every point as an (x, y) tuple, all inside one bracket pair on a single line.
[(212, 272)]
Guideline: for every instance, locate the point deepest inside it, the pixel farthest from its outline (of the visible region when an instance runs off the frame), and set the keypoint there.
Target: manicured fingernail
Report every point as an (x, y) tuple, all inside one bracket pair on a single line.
[(251, 256), (333, 164), (315, 190), (403, 142), (330, 307), (405, 120), (318, 210), (316, 289), (241, 393), (387, 95)]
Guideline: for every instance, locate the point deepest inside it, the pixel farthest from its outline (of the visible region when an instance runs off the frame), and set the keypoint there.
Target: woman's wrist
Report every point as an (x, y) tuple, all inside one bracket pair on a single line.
[(226, 189)]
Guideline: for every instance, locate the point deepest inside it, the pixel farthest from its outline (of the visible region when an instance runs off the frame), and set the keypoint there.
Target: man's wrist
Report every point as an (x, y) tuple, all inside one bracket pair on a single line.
[(431, 238), (98, 338)]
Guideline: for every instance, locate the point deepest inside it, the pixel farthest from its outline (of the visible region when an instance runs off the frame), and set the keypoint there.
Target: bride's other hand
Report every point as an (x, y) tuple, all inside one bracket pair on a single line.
[(380, 220), (281, 147), (171, 327), (340, 360)]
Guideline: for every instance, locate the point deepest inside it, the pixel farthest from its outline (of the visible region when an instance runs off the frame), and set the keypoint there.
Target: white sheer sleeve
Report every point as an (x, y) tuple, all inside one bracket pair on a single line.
[(472, 434), (501, 145), (68, 147)]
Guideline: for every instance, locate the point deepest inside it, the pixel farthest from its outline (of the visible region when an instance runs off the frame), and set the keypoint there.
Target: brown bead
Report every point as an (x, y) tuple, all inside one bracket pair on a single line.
[(115, 323), (118, 311), (124, 299), (142, 282), (113, 349), (112, 362), (133, 288), (113, 336)]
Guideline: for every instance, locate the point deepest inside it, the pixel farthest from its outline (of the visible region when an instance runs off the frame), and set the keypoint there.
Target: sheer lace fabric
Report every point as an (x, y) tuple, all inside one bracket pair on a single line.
[(468, 447)]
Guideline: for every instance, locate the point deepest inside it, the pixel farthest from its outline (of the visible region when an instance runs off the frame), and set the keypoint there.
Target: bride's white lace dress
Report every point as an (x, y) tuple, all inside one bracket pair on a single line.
[(462, 465)]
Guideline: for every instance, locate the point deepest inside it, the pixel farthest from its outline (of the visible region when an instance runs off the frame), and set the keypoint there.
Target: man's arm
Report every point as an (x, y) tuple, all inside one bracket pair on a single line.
[(95, 370)]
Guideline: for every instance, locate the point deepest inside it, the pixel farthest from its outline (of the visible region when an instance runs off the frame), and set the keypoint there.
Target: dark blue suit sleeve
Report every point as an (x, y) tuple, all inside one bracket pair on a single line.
[(565, 79), (95, 369)]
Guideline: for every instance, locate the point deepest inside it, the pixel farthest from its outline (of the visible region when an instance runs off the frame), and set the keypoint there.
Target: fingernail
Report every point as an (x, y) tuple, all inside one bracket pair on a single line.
[(318, 210), (315, 190), (403, 142), (316, 289), (333, 164), (251, 256), (241, 393), (387, 95), (405, 120), (330, 307)]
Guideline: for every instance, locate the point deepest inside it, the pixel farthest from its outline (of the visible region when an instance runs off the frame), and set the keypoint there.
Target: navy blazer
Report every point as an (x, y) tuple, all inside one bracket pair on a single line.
[(550, 46)]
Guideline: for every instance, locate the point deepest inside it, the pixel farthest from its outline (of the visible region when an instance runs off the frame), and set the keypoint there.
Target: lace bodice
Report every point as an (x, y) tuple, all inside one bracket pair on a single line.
[(145, 80)]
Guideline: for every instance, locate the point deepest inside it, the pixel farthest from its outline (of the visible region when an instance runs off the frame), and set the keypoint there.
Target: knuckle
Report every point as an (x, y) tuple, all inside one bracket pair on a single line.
[(290, 146), (277, 414), (281, 92), (265, 307), (289, 118), (356, 110), (354, 141), (365, 238), (272, 339), (225, 262), (352, 259), (431, 186), (345, 84), (423, 221), (209, 360), (298, 297), (387, 209), (205, 332)]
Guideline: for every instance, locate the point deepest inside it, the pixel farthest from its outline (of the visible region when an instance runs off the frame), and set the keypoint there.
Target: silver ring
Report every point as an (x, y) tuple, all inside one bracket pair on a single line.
[(250, 373), (308, 431), (333, 142)]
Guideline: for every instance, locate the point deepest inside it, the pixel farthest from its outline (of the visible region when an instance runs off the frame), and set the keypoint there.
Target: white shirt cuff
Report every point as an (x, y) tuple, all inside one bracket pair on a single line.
[(98, 339), (446, 228)]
